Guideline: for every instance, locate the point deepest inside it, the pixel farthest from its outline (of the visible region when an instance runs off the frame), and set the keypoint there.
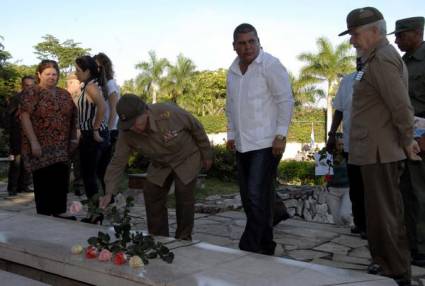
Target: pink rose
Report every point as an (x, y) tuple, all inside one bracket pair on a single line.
[(105, 255), (75, 207), (120, 258)]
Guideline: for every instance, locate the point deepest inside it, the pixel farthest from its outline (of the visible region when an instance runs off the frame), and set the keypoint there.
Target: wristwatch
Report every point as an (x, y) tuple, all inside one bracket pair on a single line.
[(280, 137)]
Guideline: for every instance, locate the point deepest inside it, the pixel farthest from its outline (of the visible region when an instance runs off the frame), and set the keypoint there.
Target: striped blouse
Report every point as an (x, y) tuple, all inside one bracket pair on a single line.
[(87, 110)]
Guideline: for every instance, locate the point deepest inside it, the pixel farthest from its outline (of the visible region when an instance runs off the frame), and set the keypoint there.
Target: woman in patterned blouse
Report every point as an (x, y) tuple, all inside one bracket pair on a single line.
[(49, 118)]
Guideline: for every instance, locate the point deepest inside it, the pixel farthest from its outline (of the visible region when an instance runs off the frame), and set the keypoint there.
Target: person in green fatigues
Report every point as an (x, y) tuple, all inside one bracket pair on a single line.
[(409, 38)]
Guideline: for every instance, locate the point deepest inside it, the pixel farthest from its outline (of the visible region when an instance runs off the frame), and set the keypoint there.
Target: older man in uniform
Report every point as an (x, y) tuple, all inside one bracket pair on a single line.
[(409, 38), (177, 146), (380, 138)]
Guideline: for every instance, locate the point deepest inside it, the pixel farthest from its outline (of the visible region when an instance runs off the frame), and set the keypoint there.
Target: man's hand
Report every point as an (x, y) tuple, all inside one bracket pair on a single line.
[(278, 146), (206, 164), (230, 145), (35, 149), (104, 201), (331, 144), (412, 151)]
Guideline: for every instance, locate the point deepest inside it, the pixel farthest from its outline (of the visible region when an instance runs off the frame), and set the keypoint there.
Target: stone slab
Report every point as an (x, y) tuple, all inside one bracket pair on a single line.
[(11, 279), (339, 264), (362, 252), (306, 255), (333, 248), (351, 259), (350, 241), (44, 243)]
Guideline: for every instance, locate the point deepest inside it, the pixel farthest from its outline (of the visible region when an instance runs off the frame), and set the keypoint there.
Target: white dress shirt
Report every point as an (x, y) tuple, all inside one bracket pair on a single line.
[(259, 103), (342, 102)]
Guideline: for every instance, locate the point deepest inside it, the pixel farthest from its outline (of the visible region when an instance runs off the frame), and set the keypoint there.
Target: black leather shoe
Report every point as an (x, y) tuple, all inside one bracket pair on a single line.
[(280, 213), (93, 219), (418, 260), (69, 217), (375, 269), (402, 281)]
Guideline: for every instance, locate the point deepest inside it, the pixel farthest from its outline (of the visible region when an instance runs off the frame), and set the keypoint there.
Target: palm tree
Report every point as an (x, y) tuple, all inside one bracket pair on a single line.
[(180, 77), (328, 65), (152, 77), (304, 89)]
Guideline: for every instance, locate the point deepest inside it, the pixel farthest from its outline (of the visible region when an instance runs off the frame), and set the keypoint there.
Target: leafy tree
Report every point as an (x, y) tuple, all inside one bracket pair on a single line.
[(179, 79), (64, 53), (8, 75), (328, 65), (209, 93), (304, 90), (152, 77)]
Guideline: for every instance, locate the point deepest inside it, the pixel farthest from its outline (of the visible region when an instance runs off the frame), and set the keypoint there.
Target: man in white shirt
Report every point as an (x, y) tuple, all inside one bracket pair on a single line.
[(342, 104), (259, 109)]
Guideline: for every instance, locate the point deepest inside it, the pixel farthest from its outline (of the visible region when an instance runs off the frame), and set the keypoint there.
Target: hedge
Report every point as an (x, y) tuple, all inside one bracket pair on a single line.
[(299, 130)]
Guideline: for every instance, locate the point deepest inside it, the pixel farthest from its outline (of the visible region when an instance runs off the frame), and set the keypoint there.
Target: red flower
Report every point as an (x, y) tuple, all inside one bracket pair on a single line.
[(120, 258), (91, 252)]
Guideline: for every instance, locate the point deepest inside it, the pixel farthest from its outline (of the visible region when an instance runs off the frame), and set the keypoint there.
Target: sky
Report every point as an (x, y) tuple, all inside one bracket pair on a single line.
[(201, 30)]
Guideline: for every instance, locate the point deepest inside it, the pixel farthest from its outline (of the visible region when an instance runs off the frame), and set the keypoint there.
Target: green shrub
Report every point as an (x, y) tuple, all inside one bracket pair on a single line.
[(214, 123), (298, 173), (224, 167)]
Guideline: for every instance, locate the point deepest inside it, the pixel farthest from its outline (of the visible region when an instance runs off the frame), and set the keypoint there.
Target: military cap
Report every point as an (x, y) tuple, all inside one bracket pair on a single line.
[(129, 107), (360, 17), (408, 24)]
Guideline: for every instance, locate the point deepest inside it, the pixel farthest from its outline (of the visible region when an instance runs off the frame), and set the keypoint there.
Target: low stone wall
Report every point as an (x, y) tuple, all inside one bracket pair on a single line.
[(307, 202)]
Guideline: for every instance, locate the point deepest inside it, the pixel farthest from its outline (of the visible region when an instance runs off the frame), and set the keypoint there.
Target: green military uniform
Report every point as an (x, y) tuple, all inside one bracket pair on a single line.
[(381, 127), (413, 179), (176, 143)]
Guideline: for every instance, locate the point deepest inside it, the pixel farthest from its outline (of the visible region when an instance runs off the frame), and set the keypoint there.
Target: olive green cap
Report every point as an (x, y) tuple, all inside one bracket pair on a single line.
[(360, 17), (129, 107), (408, 24)]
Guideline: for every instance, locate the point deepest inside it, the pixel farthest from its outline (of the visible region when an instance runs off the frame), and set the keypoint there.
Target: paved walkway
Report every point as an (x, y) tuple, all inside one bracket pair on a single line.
[(318, 243)]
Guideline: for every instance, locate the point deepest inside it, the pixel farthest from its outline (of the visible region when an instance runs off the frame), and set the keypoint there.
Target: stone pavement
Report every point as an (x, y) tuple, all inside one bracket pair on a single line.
[(319, 243)]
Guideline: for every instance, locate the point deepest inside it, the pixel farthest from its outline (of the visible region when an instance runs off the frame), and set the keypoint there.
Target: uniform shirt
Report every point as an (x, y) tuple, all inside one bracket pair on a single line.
[(382, 116), (342, 102), (415, 63), (175, 142), (259, 103)]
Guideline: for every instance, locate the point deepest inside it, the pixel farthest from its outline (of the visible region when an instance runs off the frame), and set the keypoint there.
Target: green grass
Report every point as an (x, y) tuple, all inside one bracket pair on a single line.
[(212, 186)]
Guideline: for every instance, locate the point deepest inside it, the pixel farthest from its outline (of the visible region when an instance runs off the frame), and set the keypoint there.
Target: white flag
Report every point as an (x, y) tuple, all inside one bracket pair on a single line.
[(312, 136)]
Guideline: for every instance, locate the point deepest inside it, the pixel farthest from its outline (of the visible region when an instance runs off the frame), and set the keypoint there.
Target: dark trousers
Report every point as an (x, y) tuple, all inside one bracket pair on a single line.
[(357, 196), (51, 185), (413, 190), (18, 178), (92, 167), (156, 207), (256, 171), (386, 231)]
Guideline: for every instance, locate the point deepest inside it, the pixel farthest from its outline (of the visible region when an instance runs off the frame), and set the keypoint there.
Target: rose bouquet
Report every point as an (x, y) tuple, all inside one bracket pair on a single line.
[(139, 247)]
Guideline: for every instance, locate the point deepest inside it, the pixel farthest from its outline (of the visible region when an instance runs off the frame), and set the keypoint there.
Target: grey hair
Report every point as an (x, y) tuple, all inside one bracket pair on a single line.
[(380, 24)]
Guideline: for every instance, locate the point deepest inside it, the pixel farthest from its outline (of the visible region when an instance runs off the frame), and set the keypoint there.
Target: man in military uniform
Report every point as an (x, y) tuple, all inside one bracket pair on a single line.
[(409, 38), (178, 147), (380, 138)]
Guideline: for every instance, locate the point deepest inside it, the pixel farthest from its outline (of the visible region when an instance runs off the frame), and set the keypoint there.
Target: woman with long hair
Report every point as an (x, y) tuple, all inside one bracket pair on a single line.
[(94, 130), (49, 118), (112, 95)]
